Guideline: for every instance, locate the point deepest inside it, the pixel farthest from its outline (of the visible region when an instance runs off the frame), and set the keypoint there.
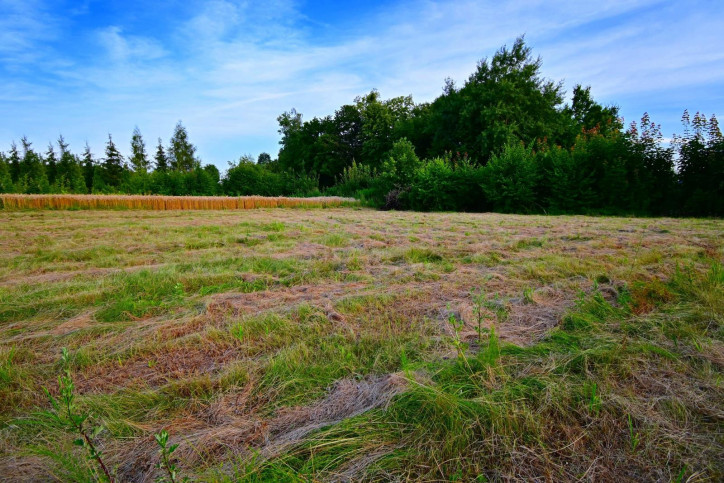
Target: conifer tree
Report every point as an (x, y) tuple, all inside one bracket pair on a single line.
[(32, 172), (70, 176), (6, 182), (139, 158), (51, 164), (14, 162), (160, 158), (88, 168), (181, 152), (66, 159), (112, 164)]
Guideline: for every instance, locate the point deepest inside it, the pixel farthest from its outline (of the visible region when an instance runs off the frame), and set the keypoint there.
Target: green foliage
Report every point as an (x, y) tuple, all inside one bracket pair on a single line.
[(166, 452), (248, 178), (6, 181), (354, 179), (446, 184), (401, 163), (139, 158), (88, 169), (503, 141), (69, 177), (181, 153), (509, 181), (507, 98), (160, 159), (31, 171), (565, 186), (634, 437), (113, 165), (66, 415), (701, 165)]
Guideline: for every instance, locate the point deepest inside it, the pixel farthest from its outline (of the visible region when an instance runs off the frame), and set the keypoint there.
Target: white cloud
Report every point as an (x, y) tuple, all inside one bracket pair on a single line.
[(24, 26), (124, 48), (232, 68)]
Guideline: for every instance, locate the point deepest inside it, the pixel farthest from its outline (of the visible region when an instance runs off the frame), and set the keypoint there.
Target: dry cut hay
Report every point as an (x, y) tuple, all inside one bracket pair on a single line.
[(239, 435), (153, 202)]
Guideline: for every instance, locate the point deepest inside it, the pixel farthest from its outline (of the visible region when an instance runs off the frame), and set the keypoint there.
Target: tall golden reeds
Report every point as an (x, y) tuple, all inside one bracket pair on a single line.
[(140, 202)]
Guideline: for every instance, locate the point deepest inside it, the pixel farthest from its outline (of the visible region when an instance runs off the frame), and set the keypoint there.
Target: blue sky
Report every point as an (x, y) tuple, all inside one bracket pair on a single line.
[(227, 68)]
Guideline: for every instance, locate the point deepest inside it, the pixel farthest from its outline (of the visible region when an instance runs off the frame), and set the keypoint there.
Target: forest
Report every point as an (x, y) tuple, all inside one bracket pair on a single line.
[(504, 141)]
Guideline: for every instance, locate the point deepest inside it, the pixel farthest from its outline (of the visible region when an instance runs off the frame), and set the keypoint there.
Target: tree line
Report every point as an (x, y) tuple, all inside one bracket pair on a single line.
[(174, 169), (503, 141), (506, 141)]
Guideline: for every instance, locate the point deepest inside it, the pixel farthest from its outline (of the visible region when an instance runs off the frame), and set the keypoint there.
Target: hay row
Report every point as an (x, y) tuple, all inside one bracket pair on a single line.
[(136, 202)]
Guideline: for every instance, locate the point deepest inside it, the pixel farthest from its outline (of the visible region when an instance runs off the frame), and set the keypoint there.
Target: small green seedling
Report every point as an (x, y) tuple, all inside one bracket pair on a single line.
[(635, 439), (457, 326), (166, 451)]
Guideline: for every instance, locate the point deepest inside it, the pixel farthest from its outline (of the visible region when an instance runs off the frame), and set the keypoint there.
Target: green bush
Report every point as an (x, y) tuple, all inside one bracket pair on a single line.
[(442, 184), (510, 179)]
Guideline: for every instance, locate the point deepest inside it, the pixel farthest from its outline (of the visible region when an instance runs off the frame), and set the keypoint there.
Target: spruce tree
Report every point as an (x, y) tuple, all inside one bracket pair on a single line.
[(14, 162), (160, 158), (32, 171), (71, 177), (88, 168), (64, 165), (139, 158), (112, 164), (51, 164), (181, 152), (6, 182)]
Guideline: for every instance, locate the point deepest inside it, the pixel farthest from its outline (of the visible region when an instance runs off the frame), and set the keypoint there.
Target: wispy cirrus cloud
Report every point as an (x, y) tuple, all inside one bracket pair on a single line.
[(128, 48)]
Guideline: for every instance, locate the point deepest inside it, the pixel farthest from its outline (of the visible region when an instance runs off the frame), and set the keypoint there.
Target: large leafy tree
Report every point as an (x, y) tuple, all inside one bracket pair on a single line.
[(263, 158), (348, 128), (310, 147), (362, 132), (585, 114), (291, 153), (377, 128), (507, 99)]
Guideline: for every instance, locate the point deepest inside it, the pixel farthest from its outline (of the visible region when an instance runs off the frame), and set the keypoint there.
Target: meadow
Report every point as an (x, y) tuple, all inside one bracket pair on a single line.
[(346, 344)]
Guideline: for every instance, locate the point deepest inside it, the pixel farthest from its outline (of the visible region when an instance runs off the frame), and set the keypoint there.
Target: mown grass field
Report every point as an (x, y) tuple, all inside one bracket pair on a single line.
[(348, 344)]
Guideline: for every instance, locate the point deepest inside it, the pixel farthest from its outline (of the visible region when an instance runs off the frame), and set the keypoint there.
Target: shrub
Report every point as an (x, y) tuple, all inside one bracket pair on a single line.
[(442, 184), (510, 179)]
